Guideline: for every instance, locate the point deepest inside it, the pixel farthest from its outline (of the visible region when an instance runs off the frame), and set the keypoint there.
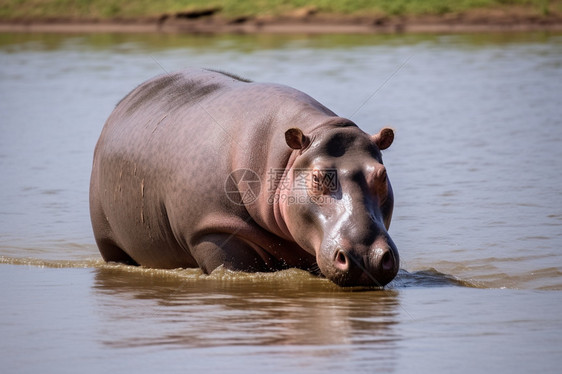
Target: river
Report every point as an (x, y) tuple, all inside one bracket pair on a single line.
[(476, 169)]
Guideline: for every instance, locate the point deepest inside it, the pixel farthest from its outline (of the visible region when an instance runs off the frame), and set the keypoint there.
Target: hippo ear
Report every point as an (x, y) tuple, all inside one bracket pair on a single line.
[(384, 138), (296, 139)]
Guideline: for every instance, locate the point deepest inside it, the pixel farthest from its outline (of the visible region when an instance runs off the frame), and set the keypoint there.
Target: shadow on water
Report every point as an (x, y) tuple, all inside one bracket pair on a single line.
[(184, 308), (289, 307), (426, 278)]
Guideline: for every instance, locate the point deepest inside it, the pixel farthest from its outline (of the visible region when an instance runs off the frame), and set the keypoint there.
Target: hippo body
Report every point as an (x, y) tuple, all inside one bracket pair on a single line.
[(201, 169)]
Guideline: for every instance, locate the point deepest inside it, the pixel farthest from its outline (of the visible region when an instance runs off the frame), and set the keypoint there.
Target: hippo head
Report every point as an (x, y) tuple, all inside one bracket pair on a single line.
[(340, 203)]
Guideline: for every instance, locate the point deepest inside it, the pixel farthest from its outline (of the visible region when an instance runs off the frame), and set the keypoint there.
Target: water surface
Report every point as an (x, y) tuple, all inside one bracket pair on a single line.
[(475, 169)]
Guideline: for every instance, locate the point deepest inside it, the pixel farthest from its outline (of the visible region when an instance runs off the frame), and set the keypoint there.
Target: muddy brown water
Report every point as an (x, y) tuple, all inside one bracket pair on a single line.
[(477, 174)]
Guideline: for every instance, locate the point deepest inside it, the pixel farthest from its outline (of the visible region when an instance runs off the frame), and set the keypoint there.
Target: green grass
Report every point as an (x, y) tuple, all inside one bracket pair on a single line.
[(128, 9)]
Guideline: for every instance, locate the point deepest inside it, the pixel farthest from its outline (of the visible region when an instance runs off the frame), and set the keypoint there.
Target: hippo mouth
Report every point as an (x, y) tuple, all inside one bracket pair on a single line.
[(374, 270)]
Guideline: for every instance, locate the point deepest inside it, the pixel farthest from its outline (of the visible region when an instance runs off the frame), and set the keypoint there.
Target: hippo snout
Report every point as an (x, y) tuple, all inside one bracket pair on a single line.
[(373, 267)]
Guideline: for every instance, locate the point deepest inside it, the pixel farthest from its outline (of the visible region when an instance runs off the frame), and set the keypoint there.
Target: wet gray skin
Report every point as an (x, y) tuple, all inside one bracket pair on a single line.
[(349, 207), (203, 169)]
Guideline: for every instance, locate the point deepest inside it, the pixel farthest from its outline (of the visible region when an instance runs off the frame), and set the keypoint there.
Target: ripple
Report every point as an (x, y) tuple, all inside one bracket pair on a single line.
[(56, 264), (404, 279)]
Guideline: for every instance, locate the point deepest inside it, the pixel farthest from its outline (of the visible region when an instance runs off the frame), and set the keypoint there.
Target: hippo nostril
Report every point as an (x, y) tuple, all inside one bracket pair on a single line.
[(387, 262), (341, 260)]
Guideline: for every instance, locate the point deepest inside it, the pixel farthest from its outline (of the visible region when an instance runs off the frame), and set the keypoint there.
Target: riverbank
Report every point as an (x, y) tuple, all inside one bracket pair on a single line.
[(523, 16), (281, 26)]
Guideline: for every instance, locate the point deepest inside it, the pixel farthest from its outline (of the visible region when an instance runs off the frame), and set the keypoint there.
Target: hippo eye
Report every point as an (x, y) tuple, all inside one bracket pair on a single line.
[(317, 182), (316, 178), (323, 182)]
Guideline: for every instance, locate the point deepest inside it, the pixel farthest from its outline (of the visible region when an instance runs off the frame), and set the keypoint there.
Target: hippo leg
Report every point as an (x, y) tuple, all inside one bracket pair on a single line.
[(233, 252), (111, 252), (103, 234)]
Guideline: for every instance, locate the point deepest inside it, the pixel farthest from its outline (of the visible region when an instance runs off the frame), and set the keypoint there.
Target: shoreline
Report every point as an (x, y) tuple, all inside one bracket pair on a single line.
[(308, 25)]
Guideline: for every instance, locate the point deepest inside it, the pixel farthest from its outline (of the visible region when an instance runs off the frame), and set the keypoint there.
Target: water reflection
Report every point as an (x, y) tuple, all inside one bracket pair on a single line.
[(154, 310)]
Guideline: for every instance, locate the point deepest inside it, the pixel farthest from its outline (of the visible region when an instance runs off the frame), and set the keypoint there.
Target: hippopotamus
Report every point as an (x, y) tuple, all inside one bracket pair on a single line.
[(201, 168)]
